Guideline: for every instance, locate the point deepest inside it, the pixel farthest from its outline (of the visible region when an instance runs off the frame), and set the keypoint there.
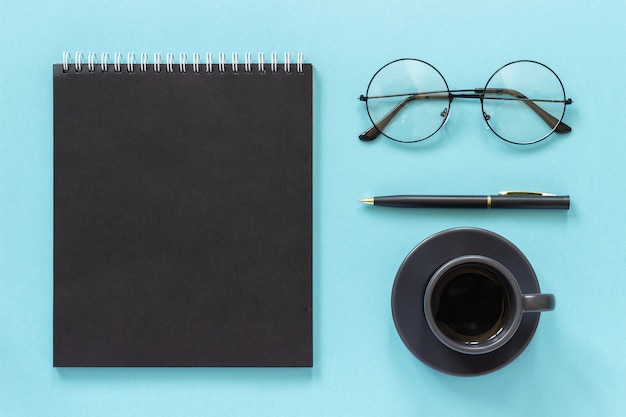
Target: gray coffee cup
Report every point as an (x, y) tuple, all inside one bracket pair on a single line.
[(474, 305)]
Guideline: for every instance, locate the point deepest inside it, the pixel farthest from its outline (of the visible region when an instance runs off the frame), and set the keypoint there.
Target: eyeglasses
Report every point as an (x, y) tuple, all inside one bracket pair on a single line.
[(408, 100)]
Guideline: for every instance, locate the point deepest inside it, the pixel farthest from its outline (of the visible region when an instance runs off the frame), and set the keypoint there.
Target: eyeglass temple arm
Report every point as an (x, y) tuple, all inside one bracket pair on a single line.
[(373, 132), (545, 116)]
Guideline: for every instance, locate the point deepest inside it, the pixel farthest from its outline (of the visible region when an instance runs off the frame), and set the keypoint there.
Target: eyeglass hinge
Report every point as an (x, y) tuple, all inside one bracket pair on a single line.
[(363, 98), (569, 101)]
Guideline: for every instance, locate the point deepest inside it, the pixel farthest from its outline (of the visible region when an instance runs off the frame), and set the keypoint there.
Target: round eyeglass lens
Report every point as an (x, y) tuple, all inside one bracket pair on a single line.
[(524, 102), (408, 100)]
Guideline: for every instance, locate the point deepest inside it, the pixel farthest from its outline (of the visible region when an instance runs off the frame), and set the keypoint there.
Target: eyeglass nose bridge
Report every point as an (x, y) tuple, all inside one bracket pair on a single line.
[(476, 93)]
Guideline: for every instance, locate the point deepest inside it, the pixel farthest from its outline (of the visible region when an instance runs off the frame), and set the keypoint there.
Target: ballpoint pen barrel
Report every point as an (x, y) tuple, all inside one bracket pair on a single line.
[(434, 201)]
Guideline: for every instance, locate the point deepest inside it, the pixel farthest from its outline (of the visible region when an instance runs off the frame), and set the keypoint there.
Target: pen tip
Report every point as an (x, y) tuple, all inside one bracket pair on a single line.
[(367, 201)]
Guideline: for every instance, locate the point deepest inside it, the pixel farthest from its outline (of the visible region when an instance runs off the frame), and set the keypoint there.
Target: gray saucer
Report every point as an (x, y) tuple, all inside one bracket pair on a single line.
[(407, 299)]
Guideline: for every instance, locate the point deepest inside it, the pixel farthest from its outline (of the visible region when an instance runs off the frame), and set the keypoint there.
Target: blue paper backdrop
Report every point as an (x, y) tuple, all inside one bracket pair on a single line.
[(575, 364)]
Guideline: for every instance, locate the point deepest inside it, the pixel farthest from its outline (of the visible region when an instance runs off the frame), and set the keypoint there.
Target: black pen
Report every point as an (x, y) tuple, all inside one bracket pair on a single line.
[(504, 199)]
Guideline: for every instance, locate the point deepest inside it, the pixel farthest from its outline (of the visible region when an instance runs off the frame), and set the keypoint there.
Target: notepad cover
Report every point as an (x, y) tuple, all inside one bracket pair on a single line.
[(182, 218)]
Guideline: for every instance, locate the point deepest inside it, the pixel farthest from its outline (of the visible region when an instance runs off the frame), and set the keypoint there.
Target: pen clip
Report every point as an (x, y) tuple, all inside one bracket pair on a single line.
[(531, 193)]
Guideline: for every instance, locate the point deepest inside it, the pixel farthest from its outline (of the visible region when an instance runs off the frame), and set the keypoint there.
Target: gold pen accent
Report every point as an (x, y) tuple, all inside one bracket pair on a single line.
[(488, 201), (367, 201), (537, 193)]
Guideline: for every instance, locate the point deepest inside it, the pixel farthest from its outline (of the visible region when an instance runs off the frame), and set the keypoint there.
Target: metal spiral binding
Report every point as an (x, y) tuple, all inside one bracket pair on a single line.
[(196, 65)]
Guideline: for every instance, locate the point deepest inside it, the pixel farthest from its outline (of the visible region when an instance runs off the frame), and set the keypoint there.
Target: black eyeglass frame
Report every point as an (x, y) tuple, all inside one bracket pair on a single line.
[(558, 125)]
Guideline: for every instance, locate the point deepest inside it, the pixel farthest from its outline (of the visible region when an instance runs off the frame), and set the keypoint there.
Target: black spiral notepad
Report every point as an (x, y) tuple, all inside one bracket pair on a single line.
[(182, 212)]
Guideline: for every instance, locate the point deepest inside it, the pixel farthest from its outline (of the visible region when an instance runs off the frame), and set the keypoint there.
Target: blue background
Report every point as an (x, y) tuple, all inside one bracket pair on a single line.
[(575, 364)]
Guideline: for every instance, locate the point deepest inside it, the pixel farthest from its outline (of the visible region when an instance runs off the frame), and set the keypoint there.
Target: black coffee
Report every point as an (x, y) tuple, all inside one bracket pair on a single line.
[(470, 303)]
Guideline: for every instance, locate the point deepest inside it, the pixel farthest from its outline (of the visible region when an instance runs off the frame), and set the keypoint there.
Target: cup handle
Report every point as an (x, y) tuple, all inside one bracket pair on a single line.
[(539, 302)]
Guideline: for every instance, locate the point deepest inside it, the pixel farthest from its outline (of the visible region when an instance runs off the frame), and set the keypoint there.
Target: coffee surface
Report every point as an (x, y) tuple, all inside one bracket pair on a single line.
[(473, 304)]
